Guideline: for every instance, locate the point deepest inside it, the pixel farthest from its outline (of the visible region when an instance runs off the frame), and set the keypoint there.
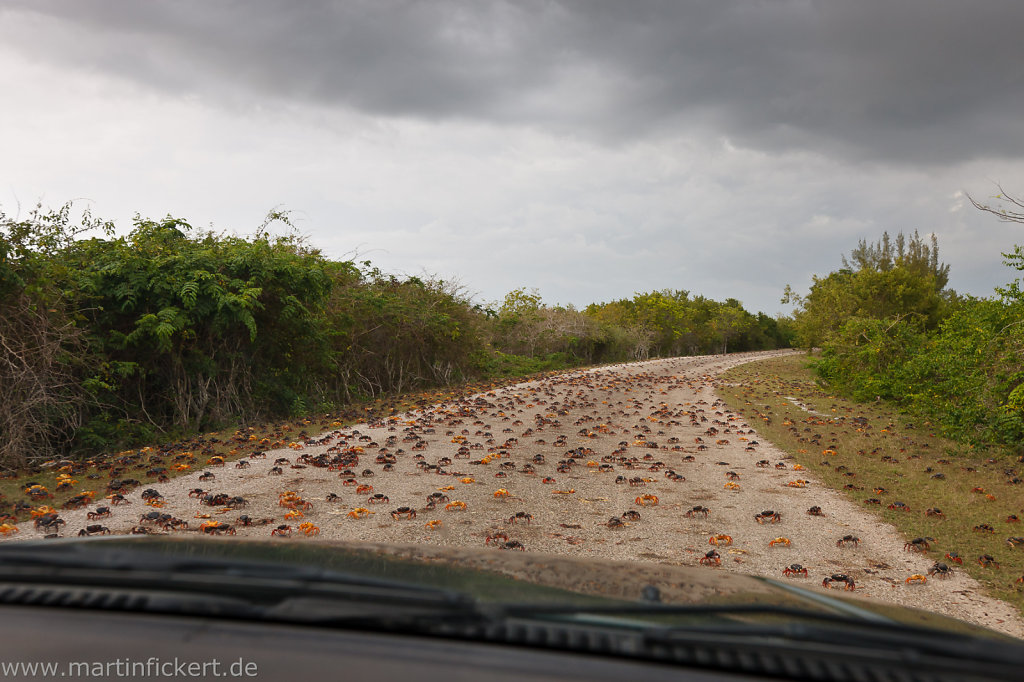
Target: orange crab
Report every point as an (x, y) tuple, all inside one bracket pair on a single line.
[(359, 513), (720, 540), (501, 493), (8, 529), (433, 525), (917, 579), (785, 542), (364, 488), (644, 500), (467, 479), (731, 486), (309, 529), (42, 511), (798, 483), (293, 514), (457, 505)]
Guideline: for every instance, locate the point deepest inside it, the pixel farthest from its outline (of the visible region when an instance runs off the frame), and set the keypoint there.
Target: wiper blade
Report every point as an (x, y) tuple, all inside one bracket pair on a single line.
[(801, 626), (256, 581)]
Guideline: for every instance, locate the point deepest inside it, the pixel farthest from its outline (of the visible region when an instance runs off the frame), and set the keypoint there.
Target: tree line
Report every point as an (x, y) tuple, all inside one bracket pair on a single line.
[(890, 328), (111, 341)]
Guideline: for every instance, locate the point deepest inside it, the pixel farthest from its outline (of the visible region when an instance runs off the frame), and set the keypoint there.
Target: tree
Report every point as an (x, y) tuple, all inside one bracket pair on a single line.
[(1011, 211), (887, 279)]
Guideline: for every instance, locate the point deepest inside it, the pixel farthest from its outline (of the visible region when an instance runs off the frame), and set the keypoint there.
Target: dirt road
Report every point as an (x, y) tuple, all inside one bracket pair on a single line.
[(642, 421)]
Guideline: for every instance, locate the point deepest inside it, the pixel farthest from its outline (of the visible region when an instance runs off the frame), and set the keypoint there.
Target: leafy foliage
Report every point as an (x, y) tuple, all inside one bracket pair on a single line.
[(889, 331), (112, 340)]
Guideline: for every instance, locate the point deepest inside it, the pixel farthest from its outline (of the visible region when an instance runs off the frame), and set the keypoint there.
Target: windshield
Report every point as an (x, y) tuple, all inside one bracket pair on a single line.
[(532, 309)]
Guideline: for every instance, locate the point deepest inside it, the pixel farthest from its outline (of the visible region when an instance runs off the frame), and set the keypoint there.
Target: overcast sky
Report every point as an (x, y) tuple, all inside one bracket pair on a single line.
[(588, 149)]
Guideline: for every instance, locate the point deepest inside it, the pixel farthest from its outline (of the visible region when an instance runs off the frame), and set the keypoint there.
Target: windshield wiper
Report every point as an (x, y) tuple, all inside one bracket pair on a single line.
[(252, 581)]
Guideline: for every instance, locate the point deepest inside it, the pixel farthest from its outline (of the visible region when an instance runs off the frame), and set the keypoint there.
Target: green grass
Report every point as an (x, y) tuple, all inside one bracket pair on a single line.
[(764, 391)]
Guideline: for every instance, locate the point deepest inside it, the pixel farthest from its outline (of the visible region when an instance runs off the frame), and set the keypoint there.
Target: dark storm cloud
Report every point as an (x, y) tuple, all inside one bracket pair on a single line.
[(914, 81)]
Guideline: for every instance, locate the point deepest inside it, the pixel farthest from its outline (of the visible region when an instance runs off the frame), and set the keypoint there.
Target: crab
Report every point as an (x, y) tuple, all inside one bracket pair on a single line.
[(377, 498), (712, 557), (37, 492), (731, 486), (615, 522), (365, 488), (118, 498), (732, 475), (513, 544), (50, 522), (98, 513), (94, 529), (644, 500), (44, 510), (455, 505), (983, 528), (433, 525), (815, 511), (934, 511), (359, 513), (9, 529), (496, 537), (501, 493), (798, 483), (407, 512), (794, 569), (768, 516), (955, 558), (79, 501), (720, 540), (704, 511), (899, 506), (282, 531), (941, 570), (547, 480), (848, 540), (520, 516), (309, 529), (216, 528), (839, 578), (293, 514), (917, 545), (785, 542), (916, 579), (631, 515), (988, 561), (208, 476), (1015, 541)]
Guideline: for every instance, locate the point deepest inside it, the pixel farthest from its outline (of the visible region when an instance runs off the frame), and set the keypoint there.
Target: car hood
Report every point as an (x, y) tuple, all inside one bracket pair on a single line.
[(491, 575)]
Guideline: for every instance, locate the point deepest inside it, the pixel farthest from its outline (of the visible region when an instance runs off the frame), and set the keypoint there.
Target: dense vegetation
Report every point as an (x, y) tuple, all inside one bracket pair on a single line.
[(889, 329), (108, 341)]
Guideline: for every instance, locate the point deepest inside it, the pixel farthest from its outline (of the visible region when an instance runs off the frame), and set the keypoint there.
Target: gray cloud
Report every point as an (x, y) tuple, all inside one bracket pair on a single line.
[(911, 82)]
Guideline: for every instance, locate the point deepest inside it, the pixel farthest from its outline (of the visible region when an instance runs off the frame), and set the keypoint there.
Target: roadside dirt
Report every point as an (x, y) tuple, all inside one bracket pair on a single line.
[(653, 411)]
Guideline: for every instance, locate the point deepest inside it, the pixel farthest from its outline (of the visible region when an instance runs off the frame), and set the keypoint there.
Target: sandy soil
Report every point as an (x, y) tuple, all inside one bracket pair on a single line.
[(670, 403)]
